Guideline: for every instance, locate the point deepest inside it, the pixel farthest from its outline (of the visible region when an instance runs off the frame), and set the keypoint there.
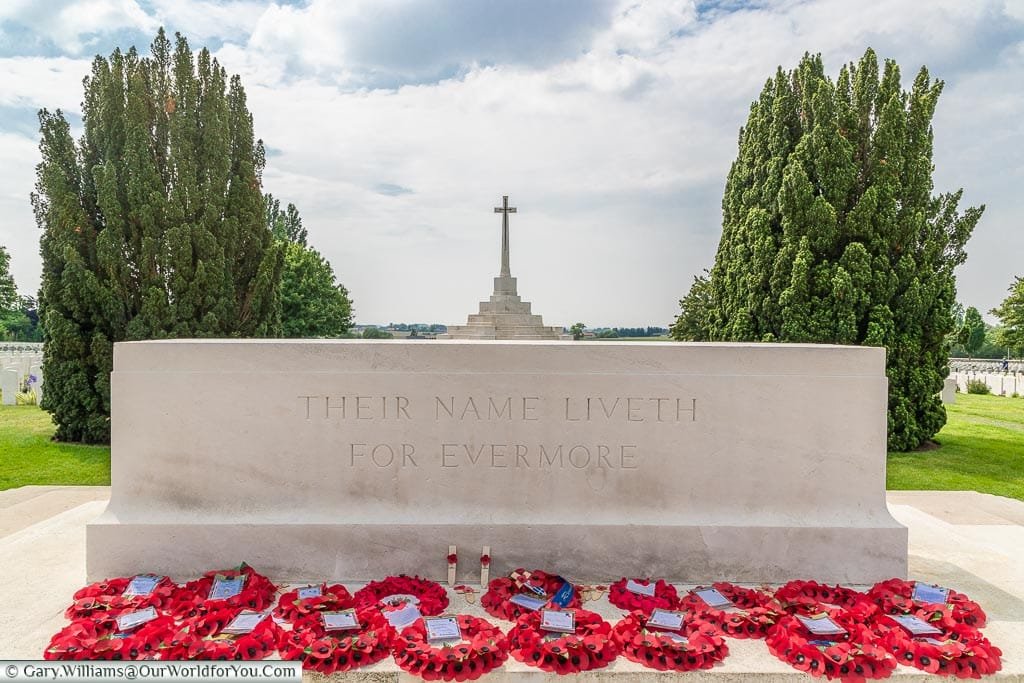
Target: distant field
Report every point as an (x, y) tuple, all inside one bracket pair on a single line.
[(981, 448)]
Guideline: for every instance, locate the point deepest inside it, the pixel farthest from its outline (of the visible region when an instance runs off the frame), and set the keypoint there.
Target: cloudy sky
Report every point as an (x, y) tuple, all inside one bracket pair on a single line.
[(396, 125)]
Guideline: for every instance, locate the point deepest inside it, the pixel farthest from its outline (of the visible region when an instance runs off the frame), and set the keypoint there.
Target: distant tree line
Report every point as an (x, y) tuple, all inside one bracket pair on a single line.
[(19, 319), (616, 332), (433, 328)]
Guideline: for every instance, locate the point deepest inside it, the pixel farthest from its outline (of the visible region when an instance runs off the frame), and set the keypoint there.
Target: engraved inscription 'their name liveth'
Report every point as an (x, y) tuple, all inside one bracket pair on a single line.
[(497, 409)]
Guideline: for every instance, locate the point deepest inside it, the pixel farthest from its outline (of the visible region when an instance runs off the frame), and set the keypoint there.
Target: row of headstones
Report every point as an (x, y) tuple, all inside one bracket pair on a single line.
[(999, 383), (992, 366), (20, 369)]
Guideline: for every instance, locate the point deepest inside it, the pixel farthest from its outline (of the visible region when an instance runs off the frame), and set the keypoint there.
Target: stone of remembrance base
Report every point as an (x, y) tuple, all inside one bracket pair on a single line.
[(353, 460)]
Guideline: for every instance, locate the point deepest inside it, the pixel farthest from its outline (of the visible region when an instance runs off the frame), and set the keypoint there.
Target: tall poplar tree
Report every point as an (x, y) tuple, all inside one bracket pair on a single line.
[(152, 224), (831, 232)]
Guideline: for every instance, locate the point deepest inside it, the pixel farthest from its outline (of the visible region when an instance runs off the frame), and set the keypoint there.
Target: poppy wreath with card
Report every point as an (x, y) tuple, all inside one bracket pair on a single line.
[(203, 637), (193, 599), (960, 650), (107, 599), (811, 597), (658, 650), (591, 646), (483, 648), (895, 597), (857, 655), (757, 611), (332, 598), (665, 596), (498, 598), (327, 652), (99, 639), (433, 599)]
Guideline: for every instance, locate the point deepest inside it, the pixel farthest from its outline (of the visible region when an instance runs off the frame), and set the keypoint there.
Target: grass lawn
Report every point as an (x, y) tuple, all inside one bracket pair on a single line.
[(981, 449), (28, 456)]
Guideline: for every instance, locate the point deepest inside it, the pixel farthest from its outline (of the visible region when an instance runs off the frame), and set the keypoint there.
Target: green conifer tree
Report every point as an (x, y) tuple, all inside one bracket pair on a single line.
[(152, 225), (831, 233), (313, 303)]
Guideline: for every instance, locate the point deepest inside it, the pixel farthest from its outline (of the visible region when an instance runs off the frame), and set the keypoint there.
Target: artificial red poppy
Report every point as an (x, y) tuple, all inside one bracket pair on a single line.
[(702, 645), (894, 596), (591, 646), (664, 597), (853, 656), (433, 598), (500, 591), (482, 649), (331, 598), (329, 651)]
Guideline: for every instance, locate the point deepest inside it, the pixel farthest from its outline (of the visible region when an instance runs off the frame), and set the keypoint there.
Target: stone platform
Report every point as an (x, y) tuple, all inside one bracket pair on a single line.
[(504, 316), (969, 541)]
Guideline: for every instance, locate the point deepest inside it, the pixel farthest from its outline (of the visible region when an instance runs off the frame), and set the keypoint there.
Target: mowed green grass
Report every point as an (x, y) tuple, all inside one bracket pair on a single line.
[(28, 456), (981, 448)]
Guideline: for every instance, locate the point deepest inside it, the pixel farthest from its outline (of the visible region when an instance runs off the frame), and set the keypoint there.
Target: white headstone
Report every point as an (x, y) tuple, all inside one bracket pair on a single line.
[(949, 390), (36, 383), (9, 386)]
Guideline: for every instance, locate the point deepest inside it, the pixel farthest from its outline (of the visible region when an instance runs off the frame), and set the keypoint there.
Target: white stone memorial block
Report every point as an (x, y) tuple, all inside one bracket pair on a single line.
[(357, 459), (949, 390), (9, 386)]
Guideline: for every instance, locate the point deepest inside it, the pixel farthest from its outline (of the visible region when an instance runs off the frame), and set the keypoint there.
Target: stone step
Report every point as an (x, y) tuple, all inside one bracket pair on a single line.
[(22, 493), (520, 307), (44, 504), (503, 319)]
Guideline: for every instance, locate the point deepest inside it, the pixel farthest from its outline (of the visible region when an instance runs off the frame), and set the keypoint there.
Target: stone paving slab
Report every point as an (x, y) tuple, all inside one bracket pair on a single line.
[(42, 503), (44, 563)]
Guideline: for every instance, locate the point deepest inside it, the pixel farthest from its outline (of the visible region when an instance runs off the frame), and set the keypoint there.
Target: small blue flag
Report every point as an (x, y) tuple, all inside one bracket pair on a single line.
[(563, 596)]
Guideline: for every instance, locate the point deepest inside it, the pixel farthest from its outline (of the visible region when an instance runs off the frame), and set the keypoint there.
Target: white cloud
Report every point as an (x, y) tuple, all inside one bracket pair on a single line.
[(37, 82), (18, 156), (613, 136), (204, 20), (74, 26)]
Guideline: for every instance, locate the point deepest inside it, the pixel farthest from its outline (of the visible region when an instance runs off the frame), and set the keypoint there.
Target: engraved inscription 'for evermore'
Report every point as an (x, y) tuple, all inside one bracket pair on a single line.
[(501, 408)]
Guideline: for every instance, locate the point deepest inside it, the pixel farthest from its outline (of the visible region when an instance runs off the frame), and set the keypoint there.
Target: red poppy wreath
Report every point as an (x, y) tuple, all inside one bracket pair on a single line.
[(99, 639), (856, 655), (750, 615), (312, 599), (895, 596), (432, 597), (536, 584), (201, 596), (483, 648), (956, 650), (589, 646), (204, 637), (698, 645), (108, 599), (329, 651), (663, 595), (811, 597)]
